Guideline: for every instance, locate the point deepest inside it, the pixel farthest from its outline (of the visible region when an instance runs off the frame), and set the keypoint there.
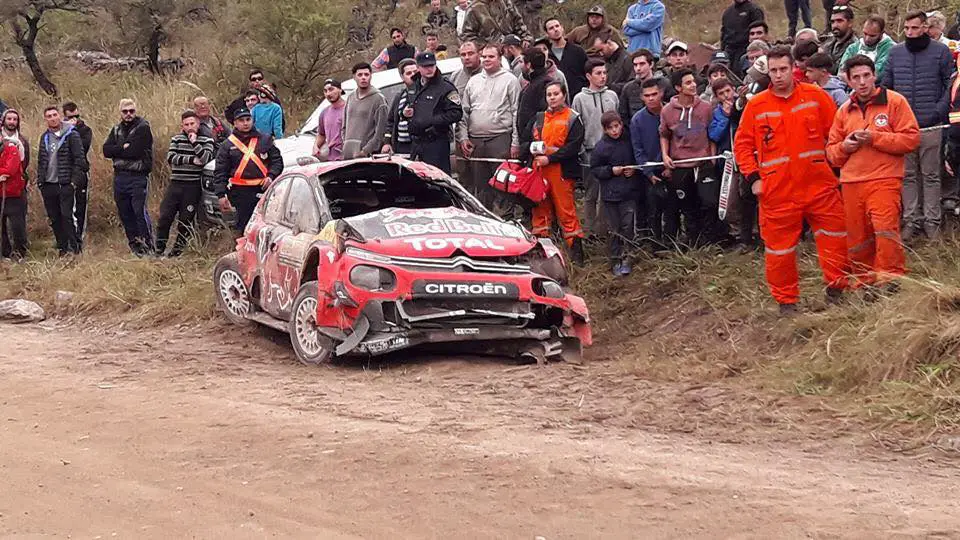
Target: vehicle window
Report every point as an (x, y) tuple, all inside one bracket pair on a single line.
[(273, 208), (364, 190), (302, 212), (390, 91)]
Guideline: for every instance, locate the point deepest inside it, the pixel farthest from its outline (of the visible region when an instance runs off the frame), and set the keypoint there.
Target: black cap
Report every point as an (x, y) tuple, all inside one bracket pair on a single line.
[(426, 58), (332, 82), (242, 112), (511, 39)]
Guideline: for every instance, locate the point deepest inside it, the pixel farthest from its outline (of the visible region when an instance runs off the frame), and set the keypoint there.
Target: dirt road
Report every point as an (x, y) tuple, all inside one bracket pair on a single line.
[(193, 433)]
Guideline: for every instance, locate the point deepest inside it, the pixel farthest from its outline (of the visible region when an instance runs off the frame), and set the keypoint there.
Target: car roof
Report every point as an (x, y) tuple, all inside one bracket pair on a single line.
[(380, 80), (423, 170)]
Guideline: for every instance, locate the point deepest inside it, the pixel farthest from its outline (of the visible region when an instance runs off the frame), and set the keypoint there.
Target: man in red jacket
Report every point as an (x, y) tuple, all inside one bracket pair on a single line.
[(12, 201)]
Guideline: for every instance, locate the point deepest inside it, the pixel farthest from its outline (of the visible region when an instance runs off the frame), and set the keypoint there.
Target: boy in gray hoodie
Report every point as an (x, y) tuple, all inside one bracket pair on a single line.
[(591, 103)]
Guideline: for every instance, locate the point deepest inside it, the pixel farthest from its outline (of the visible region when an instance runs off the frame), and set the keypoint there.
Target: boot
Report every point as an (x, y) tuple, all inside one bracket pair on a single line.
[(834, 296), (788, 310), (576, 251)]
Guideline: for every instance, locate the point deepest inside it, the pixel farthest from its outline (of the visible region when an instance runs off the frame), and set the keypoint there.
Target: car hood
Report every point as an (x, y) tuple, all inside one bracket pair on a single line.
[(439, 233)]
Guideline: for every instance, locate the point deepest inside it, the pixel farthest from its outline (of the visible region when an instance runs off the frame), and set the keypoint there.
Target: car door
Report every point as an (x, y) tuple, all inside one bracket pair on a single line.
[(261, 227), (298, 224)]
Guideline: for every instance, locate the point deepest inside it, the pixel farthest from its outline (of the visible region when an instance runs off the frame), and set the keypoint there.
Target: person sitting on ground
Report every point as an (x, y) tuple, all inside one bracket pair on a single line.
[(610, 164)]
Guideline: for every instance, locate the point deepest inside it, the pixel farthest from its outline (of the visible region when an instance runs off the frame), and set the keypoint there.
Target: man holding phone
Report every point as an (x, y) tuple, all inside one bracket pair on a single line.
[(869, 140)]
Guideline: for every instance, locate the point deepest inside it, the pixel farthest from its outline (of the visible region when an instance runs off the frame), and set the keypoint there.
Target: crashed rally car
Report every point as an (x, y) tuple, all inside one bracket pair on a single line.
[(372, 256)]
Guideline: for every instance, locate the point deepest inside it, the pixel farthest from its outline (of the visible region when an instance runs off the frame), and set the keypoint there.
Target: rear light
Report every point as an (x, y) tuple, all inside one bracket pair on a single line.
[(372, 278)]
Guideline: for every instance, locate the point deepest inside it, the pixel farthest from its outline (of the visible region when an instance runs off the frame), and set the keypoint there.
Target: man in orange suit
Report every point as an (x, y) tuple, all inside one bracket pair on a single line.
[(780, 148), (870, 137)]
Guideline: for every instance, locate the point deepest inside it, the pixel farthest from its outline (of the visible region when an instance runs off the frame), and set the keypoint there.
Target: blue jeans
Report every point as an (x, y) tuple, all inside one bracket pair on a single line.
[(130, 194)]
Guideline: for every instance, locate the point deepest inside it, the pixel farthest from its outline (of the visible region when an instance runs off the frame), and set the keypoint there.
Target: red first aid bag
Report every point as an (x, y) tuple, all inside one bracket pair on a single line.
[(522, 181)]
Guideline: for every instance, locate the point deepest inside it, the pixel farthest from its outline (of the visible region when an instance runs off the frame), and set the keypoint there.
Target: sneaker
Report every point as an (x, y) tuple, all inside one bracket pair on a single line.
[(625, 268), (950, 205), (576, 251), (932, 231), (907, 233), (616, 269), (788, 310), (834, 296)]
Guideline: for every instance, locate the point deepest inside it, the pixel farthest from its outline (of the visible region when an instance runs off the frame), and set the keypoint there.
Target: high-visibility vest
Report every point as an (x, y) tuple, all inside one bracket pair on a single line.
[(249, 154)]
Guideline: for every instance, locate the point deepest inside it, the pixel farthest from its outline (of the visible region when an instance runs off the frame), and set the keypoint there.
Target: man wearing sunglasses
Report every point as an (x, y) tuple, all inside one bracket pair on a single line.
[(71, 115), (257, 80), (130, 146)]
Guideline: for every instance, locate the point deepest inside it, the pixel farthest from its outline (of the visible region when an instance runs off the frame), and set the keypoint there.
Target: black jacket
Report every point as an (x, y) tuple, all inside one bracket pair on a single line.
[(72, 165), (393, 121), (436, 105), (86, 135), (573, 64), (619, 70), (533, 98), (631, 97), (610, 153), (735, 27), (229, 157), (923, 77), (568, 156), (136, 158), (396, 54)]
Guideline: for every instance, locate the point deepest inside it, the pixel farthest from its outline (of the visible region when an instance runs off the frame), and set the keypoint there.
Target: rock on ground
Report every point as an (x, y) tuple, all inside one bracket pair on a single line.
[(21, 311)]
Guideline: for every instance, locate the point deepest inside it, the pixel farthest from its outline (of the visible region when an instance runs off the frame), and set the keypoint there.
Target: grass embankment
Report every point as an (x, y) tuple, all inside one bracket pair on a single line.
[(703, 317)]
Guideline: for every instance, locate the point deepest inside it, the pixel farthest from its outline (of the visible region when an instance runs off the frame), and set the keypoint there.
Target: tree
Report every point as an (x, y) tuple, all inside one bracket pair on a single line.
[(25, 18), (149, 23), (297, 42)]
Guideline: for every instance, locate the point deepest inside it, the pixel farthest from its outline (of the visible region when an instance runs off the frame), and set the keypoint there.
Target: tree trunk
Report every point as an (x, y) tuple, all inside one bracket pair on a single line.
[(27, 40), (153, 49)]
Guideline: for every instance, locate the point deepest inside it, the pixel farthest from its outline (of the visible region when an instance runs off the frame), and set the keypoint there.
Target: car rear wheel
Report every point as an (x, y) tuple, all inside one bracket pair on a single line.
[(309, 344), (233, 298)]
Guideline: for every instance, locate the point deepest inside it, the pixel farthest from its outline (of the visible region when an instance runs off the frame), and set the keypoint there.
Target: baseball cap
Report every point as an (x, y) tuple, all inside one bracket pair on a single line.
[(511, 39), (677, 45), (720, 57), (597, 10), (332, 82), (242, 112), (426, 58)]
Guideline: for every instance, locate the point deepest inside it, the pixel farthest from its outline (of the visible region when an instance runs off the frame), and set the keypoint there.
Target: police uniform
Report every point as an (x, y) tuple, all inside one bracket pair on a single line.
[(436, 106), (244, 162)]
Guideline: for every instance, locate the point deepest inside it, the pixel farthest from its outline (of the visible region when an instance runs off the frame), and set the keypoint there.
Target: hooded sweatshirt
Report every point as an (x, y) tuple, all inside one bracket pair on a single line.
[(591, 104), (837, 90), (878, 53), (364, 120), (686, 128), (490, 106)]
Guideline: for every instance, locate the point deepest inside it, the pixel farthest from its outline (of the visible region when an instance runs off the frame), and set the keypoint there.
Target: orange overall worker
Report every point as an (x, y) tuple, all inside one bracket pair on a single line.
[(871, 135), (780, 147), (554, 138)]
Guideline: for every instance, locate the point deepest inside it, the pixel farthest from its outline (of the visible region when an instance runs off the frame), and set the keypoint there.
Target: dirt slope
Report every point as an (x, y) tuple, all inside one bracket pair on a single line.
[(194, 432)]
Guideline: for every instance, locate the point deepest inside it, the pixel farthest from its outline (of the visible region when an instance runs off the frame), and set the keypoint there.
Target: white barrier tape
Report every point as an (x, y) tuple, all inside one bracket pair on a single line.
[(934, 128)]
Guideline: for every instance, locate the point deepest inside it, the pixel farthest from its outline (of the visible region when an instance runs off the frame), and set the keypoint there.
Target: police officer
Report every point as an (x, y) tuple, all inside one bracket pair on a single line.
[(246, 165), (435, 107)]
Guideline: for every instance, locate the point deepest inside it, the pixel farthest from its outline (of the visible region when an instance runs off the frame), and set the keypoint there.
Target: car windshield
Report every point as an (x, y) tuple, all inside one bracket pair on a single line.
[(367, 189)]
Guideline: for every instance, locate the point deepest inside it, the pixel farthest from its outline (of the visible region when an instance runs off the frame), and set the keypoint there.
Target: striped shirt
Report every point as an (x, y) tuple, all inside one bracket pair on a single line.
[(181, 157), (403, 128)]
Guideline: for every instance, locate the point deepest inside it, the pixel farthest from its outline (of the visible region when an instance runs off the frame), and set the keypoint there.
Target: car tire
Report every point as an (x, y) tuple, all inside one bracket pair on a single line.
[(310, 346), (233, 296)]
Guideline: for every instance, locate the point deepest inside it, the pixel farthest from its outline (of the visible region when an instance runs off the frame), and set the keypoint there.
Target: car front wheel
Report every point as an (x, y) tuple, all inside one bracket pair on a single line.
[(309, 344), (233, 298)]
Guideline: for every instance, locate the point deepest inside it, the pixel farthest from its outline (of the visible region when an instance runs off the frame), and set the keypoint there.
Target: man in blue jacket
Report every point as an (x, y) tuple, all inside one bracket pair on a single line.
[(920, 70), (645, 137), (643, 25)]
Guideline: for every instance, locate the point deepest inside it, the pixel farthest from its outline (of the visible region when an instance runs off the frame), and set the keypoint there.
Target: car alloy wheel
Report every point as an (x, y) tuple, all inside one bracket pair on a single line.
[(307, 335), (234, 294)]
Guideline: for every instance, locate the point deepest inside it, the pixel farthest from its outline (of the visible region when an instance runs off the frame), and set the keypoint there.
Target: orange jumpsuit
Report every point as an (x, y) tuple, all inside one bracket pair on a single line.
[(871, 178), (783, 140), (562, 133)]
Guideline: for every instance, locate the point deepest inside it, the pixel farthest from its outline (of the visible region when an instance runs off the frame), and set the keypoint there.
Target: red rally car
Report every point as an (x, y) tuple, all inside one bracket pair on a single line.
[(371, 256)]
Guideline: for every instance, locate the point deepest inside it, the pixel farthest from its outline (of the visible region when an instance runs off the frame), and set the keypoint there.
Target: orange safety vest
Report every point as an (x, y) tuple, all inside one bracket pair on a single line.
[(249, 154)]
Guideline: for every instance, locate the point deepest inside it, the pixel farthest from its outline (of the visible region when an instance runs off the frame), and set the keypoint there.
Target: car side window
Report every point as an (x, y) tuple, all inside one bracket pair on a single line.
[(273, 208), (302, 211)]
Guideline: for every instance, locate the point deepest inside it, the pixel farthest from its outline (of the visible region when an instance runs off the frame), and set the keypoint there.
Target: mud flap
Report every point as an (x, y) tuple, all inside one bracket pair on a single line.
[(360, 329)]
